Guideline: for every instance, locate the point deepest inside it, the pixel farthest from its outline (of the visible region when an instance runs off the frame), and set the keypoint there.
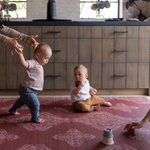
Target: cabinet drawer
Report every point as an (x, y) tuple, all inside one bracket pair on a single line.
[(132, 32), (119, 75), (143, 81), (120, 32), (132, 47), (107, 75), (144, 31), (54, 32), (55, 76), (108, 31), (108, 50), (120, 50), (85, 32), (132, 72), (97, 32), (72, 32), (35, 30), (114, 32)]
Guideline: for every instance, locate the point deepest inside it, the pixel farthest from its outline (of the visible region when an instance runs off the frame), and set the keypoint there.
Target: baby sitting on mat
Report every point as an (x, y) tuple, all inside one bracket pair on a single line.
[(82, 94)]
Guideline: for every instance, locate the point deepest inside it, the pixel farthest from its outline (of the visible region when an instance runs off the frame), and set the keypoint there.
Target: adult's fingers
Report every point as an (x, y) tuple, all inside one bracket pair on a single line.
[(129, 126), (18, 39), (34, 36), (18, 47), (16, 51), (11, 51)]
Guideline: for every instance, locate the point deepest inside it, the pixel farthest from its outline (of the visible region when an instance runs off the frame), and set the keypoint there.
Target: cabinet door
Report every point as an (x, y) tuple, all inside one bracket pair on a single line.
[(108, 50), (120, 32), (84, 50), (36, 30), (61, 32), (60, 44), (48, 32), (107, 75), (144, 50), (85, 32), (120, 75), (132, 47), (97, 48), (2, 75), (97, 32), (72, 50), (108, 32), (49, 76), (132, 31), (72, 32), (11, 76), (143, 75), (96, 75), (20, 74), (70, 74), (132, 75), (55, 76), (60, 82), (3, 52), (144, 31), (2, 65), (120, 50)]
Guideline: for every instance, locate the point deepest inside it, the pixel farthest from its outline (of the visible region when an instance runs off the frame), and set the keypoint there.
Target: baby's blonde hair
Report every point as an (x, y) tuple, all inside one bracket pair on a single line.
[(41, 48), (81, 66)]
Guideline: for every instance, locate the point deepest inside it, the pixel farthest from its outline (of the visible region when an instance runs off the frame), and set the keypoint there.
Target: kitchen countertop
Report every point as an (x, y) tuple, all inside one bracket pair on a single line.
[(76, 23)]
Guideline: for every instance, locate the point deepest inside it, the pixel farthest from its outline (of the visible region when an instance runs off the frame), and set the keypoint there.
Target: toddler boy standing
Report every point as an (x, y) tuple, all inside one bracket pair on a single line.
[(33, 81)]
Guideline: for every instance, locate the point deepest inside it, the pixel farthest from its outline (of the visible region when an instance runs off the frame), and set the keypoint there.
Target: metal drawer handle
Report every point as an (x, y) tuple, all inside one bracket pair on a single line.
[(120, 50), (54, 75), (53, 31), (120, 75), (121, 32), (56, 50)]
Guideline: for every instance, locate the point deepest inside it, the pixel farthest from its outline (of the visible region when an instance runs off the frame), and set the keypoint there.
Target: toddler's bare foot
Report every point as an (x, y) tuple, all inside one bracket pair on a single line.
[(17, 113), (96, 108), (40, 121), (107, 104)]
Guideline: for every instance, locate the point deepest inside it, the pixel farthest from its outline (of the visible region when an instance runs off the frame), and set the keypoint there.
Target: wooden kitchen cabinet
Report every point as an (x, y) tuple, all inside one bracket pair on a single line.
[(117, 57), (119, 75), (2, 65), (65, 52), (107, 75)]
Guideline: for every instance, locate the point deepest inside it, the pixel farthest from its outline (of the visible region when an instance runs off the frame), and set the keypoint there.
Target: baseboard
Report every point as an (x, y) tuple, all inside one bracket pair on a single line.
[(9, 92)]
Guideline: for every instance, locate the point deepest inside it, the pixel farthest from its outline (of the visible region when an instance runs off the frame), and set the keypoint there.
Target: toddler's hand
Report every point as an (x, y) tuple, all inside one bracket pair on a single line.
[(82, 84), (35, 45), (79, 83), (93, 92)]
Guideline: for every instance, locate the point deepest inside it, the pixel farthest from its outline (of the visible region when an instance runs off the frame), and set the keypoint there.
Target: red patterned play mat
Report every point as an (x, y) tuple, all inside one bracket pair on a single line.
[(66, 129)]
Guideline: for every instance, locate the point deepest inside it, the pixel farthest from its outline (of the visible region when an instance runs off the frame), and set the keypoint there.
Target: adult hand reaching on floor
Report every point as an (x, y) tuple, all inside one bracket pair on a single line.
[(140, 124)]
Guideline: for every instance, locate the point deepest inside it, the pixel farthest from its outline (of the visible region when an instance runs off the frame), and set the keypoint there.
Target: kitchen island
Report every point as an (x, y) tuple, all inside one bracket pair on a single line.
[(115, 53)]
